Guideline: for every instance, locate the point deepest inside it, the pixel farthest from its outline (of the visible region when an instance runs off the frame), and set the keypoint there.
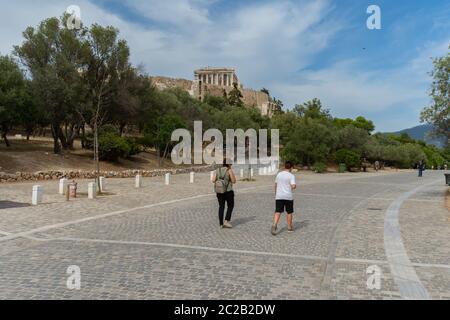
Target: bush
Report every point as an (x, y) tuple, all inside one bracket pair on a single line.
[(350, 158), (112, 147), (319, 167), (135, 147), (108, 128)]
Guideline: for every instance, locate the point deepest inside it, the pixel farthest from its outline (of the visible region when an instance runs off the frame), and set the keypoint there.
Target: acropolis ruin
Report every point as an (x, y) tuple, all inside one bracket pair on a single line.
[(217, 76), (214, 81)]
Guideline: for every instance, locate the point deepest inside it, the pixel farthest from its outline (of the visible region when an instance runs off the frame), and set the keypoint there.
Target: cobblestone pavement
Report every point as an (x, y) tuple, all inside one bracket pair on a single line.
[(163, 242)]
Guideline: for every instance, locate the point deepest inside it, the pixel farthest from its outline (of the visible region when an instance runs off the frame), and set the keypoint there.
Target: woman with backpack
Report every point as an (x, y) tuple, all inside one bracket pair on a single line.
[(223, 180)]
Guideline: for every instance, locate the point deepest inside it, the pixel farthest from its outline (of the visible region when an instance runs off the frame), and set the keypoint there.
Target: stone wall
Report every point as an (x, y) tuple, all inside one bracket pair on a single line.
[(252, 98), (56, 175), (169, 83)]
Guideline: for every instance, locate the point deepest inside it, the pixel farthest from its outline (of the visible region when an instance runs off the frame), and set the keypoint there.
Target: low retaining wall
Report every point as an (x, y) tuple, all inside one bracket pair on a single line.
[(56, 175)]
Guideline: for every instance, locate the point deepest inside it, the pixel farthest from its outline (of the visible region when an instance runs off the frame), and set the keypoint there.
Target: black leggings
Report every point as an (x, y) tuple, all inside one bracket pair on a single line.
[(227, 197)]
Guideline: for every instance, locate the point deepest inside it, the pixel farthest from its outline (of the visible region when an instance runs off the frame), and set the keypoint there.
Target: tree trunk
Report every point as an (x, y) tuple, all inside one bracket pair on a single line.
[(30, 131), (97, 157), (71, 135), (122, 128), (165, 151), (83, 136), (6, 139), (62, 138), (158, 152), (56, 145)]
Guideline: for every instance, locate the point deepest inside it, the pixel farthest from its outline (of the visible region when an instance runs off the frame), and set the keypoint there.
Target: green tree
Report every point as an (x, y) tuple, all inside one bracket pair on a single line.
[(438, 114), (12, 95), (113, 146), (351, 137), (363, 123), (359, 122), (313, 110), (278, 106), (219, 103), (286, 123), (125, 101), (158, 134), (53, 55), (235, 96), (107, 60), (236, 118), (352, 159), (373, 150), (311, 141), (32, 114)]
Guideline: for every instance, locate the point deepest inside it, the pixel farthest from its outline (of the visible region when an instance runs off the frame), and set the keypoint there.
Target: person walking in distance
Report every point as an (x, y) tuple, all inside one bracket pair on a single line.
[(284, 202), (224, 179), (377, 165), (421, 168)]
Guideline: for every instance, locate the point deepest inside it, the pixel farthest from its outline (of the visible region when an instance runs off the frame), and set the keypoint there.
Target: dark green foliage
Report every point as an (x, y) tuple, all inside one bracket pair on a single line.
[(319, 167), (12, 95), (135, 147), (438, 114), (235, 97), (112, 147), (351, 158)]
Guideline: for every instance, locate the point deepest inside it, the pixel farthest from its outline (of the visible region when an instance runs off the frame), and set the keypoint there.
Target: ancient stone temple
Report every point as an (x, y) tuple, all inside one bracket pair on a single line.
[(214, 82), (224, 77)]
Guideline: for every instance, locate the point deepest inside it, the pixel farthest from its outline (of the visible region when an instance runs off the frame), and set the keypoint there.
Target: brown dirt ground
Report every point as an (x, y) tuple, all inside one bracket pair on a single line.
[(37, 155)]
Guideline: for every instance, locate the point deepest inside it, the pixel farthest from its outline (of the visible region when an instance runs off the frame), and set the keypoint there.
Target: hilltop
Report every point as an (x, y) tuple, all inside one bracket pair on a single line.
[(423, 133)]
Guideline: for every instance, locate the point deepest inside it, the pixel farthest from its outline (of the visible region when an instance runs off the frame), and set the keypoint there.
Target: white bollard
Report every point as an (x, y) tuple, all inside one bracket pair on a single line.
[(167, 179), (63, 186), (252, 173), (138, 183), (92, 190), (242, 173), (265, 171), (102, 184), (36, 197), (192, 177)]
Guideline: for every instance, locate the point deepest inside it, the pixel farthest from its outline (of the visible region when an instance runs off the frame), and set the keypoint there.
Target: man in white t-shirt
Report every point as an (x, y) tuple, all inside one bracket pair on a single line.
[(284, 186)]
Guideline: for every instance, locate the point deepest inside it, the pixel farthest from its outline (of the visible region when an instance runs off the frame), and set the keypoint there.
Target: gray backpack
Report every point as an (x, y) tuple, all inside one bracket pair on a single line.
[(221, 186)]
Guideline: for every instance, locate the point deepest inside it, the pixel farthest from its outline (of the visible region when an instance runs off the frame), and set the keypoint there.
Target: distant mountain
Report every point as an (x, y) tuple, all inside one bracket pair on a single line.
[(422, 133)]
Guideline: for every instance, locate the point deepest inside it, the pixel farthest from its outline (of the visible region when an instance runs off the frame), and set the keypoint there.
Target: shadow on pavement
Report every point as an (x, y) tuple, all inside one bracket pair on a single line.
[(12, 205), (297, 226), (241, 221)]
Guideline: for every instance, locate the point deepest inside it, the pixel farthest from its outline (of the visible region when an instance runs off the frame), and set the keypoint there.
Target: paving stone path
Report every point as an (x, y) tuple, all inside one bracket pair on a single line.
[(163, 242)]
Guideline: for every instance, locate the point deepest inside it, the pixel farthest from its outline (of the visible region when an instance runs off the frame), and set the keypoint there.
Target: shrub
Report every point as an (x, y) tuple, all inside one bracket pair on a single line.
[(112, 147), (135, 147), (350, 158), (319, 167), (108, 128)]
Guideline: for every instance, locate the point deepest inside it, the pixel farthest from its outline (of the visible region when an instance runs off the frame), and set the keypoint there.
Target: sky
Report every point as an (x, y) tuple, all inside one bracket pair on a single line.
[(298, 49)]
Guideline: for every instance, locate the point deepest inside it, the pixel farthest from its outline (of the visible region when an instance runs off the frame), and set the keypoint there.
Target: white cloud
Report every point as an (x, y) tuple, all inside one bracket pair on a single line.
[(351, 90), (180, 13), (262, 40), (268, 42)]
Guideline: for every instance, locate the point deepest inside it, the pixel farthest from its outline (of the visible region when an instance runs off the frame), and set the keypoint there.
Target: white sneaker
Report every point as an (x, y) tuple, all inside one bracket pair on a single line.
[(227, 225)]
